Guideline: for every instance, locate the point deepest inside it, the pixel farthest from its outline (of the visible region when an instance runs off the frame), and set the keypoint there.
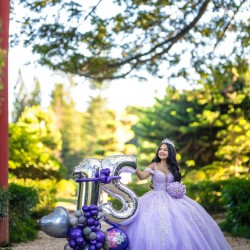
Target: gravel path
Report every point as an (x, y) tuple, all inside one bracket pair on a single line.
[(45, 242)]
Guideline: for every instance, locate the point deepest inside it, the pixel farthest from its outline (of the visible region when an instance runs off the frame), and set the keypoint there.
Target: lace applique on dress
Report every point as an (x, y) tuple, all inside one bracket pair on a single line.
[(163, 224), (192, 217)]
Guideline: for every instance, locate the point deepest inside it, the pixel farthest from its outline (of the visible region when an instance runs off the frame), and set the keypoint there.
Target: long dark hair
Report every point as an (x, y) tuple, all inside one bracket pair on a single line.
[(171, 160)]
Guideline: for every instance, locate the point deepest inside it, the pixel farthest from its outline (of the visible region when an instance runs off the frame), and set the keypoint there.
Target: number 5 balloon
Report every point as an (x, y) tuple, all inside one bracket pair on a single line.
[(118, 164)]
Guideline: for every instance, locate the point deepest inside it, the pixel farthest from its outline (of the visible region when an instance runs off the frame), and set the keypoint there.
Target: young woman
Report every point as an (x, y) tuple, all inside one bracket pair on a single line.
[(167, 220)]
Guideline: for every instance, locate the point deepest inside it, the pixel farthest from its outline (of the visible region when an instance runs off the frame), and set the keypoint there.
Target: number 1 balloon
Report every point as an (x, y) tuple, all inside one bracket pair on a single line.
[(89, 190)]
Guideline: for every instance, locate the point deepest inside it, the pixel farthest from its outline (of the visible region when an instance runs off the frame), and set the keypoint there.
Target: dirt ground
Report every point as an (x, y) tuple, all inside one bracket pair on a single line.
[(45, 242)]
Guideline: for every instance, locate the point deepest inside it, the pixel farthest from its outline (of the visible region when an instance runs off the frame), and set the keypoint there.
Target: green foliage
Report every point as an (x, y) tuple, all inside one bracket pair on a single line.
[(134, 37), (46, 190), (69, 122), (35, 145), (66, 188), (2, 56), (24, 99), (210, 125), (99, 129), (237, 196), (4, 200), (22, 226), (208, 194)]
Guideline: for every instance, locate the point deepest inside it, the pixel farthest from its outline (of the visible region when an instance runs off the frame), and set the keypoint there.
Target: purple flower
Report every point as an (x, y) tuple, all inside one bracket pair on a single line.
[(176, 189)]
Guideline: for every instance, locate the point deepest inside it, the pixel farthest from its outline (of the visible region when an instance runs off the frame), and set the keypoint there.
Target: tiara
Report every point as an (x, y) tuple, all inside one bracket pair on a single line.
[(166, 140)]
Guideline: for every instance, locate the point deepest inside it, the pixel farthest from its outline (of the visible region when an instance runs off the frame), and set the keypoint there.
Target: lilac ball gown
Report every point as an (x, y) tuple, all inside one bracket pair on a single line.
[(166, 223)]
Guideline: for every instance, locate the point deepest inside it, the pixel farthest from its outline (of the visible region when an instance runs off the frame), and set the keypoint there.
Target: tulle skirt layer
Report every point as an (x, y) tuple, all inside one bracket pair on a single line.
[(166, 223)]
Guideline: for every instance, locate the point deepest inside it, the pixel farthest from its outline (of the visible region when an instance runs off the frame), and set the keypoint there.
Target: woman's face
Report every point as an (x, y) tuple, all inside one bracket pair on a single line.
[(163, 152)]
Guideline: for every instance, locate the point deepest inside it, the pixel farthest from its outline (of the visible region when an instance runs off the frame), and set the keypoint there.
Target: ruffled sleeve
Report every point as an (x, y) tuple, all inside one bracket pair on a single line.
[(150, 170)]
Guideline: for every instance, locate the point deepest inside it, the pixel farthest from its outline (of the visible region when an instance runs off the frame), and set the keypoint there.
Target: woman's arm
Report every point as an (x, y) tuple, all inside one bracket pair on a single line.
[(142, 175)]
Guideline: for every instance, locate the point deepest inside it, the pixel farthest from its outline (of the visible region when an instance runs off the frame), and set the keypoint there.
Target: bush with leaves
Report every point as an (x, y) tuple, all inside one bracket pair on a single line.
[(22, 200), (4, 199), (46, 191), (237, 199)]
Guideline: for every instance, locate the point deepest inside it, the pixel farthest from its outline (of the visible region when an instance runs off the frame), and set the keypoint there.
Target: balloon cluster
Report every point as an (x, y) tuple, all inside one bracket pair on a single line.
[(85, 233), (105, 176)]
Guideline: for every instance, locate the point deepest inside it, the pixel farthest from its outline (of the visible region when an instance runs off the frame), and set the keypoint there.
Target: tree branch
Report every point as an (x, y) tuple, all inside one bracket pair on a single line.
[(173, 40), (228, 24), (108, 77)]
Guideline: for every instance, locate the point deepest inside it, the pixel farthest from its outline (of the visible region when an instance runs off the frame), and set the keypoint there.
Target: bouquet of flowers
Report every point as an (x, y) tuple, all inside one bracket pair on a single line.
[(176, 189)]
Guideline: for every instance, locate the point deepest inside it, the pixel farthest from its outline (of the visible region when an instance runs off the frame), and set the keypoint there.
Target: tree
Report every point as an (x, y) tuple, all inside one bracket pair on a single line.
[(35, 95), (23, 98), (210, 124), (69, 122), (136, 36), (100, 129), (35, 145)]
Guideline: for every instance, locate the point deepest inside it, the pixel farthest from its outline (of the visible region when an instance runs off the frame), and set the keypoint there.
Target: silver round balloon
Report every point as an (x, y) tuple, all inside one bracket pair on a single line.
[(117, 165), (89, 191), (57, 223)]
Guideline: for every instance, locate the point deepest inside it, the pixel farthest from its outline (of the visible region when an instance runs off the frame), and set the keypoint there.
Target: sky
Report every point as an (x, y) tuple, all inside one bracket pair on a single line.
[(120, 93)]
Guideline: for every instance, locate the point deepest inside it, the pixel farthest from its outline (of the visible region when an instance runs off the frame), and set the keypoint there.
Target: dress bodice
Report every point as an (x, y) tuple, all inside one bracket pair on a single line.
[(160, 180)]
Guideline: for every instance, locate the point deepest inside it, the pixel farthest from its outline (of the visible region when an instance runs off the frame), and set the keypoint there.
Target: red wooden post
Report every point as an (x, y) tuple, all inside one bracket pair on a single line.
[(4, 152)]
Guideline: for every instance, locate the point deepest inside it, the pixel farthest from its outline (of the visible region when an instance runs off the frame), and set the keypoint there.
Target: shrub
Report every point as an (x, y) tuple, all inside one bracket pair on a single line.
[(21, 202), (4, 199), (208, 194), (46, 190), (236, 195)]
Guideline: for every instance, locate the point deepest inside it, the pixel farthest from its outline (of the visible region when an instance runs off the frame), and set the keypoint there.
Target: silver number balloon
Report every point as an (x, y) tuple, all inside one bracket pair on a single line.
[(89, 191), (118, 164)]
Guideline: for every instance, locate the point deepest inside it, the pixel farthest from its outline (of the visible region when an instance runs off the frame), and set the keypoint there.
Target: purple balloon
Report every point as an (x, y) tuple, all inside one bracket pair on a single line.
[(103, 178), (94, 212), (79, 241), (109, 179), (74, 233), (106, 171), (93, 242), (92, 247), (100, 236), (93, 228), (72, 243), (91, 221), (93, 207), (97, 223), (87, 214), (85, 208), (99, 245)]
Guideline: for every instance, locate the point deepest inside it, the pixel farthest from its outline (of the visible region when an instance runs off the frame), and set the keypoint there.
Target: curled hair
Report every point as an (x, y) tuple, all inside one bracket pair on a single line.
[(171, 160)]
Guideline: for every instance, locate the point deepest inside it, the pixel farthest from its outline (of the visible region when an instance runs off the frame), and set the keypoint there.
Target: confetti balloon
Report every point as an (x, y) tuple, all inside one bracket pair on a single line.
[(117, 239)]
